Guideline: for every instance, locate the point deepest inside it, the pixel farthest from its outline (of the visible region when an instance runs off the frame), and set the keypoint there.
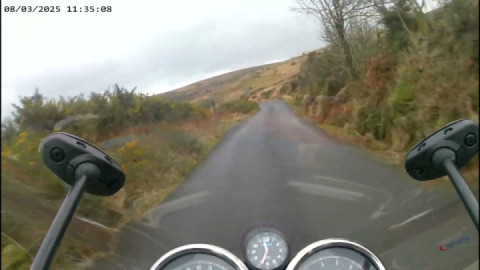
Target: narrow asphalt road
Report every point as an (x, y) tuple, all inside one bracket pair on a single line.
[(274, 169)]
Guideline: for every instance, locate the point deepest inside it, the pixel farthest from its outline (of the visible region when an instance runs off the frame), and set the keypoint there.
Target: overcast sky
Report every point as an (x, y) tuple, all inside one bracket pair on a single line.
[(155, 45)]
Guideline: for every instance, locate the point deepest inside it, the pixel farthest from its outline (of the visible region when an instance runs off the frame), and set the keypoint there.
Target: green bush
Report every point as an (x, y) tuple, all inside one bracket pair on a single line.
[(240, 106), (267, 94), (320, 70), (113, 110), (284, 89), (402, 97), (374, 121), (293, 85), (180, 141)]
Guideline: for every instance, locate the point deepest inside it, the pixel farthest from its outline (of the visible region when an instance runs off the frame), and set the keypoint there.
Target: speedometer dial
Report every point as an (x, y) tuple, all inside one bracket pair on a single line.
[(266, 250), (335, 254), (332, 262), (199, 257)]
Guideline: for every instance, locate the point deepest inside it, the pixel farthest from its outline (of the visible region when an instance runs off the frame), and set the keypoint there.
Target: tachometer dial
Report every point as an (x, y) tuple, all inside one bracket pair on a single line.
[(331, 262), (198, 262), (266, 250), (335, 254)]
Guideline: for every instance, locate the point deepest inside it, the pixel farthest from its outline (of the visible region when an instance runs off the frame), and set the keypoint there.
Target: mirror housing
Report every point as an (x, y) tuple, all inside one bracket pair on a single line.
[(460, 136), (63, 153)]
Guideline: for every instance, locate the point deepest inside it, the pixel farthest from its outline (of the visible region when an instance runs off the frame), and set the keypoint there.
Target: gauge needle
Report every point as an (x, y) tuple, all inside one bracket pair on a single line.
[(266, 252)]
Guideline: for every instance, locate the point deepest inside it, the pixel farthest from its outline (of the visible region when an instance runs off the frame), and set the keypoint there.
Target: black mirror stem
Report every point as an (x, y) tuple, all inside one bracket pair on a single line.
[(444, 159), (85, 173)]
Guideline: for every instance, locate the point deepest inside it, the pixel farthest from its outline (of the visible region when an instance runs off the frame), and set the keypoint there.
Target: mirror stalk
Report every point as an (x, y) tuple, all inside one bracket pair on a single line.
[(444, 159), (85, 173)]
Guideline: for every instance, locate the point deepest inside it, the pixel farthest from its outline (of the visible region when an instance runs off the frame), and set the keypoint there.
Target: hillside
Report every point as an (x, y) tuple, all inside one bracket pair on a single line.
[(244, 83)]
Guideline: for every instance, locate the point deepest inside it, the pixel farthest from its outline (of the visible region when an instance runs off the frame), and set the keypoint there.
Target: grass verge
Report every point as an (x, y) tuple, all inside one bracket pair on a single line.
[(383, 150)]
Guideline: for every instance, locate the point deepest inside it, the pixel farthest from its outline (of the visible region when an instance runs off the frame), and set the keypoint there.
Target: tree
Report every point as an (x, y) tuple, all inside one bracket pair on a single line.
[(335, 17)]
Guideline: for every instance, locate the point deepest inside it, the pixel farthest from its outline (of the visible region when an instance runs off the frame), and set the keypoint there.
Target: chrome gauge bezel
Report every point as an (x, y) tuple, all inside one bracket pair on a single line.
[(219, 252), (313, 248), (255, 232)]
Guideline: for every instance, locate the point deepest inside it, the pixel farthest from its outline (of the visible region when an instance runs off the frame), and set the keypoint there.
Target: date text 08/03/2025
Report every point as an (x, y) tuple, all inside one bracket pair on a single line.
[(71, 9)]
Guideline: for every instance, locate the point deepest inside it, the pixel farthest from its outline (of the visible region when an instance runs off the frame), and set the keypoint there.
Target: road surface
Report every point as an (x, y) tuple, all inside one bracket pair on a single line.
[(274, 169)]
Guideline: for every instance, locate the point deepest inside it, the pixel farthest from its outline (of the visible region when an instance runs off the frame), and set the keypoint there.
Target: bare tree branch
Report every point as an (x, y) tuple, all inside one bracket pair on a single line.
[(336, 17)]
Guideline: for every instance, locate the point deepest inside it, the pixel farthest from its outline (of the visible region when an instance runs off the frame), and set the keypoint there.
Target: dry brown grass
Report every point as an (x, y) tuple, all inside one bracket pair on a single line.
[(158, 161)]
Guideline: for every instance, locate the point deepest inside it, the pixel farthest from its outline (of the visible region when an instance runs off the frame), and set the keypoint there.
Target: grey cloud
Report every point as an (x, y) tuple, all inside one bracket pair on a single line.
[(175, 57)]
